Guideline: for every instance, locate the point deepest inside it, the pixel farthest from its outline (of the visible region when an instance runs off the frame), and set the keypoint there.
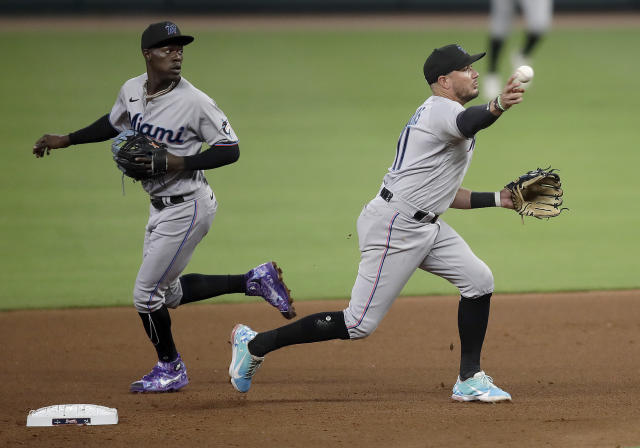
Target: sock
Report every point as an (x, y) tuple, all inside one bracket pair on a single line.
[(197, 287), (314, 328), (158, 328), (495, 47), (473, 317), (530, 42)]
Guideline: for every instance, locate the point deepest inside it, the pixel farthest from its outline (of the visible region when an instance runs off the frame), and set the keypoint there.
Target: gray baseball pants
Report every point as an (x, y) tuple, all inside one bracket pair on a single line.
[(171, 236), (392, 246)]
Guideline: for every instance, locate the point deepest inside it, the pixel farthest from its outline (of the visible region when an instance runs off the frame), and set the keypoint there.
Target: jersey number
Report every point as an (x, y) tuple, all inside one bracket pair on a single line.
[(401, 148)]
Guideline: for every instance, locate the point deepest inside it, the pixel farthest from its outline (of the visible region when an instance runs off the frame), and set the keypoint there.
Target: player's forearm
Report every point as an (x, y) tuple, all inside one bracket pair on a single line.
[(466, 199), (462, 200), (218, 155), (98, 131), (476, 118)]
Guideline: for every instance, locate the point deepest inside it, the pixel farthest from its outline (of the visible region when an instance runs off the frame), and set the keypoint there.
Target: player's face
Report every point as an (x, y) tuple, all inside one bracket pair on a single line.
[(465, 83), (166, 62)]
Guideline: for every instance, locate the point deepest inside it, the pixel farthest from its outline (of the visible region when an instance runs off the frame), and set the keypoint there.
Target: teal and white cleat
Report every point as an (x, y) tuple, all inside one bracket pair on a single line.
[(243, 364), (479, 387)]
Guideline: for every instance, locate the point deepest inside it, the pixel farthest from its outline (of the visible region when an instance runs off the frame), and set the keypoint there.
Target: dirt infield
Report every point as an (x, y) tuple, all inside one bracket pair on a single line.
[(571, 362)]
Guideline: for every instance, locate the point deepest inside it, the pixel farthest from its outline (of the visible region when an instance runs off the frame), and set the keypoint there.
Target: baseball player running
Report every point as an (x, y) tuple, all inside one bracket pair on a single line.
[(165, 106), (537, 16), (400, 230)]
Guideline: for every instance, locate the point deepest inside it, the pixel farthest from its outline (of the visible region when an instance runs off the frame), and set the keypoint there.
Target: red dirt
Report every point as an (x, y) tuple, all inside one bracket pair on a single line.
[(569, 360)]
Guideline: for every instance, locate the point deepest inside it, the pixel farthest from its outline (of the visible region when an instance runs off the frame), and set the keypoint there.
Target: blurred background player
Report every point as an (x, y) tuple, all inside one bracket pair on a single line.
[(537, 17)]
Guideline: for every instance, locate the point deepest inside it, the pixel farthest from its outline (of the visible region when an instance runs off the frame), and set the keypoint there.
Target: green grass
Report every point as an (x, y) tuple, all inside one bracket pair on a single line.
[(318, 115)]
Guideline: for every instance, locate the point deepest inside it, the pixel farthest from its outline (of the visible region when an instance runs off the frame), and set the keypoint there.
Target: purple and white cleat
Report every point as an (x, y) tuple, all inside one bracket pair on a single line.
[(266, 281), (164, 377)]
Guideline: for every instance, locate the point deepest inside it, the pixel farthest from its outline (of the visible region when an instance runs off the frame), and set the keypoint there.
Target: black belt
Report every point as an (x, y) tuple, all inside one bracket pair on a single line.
[(418, 216), (158, 201)]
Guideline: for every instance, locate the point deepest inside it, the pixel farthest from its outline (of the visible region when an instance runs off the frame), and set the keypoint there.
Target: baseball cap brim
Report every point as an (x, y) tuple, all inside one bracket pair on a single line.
[(177, 40), (470, 60)]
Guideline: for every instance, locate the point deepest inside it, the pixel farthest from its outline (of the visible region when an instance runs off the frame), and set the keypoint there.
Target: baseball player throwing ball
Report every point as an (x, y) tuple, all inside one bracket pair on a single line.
[(400, 230), (162, 105)]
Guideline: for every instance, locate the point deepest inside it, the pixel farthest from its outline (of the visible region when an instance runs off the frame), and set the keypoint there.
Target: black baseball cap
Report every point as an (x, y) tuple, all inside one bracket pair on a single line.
[(446, 59), (163, 33)]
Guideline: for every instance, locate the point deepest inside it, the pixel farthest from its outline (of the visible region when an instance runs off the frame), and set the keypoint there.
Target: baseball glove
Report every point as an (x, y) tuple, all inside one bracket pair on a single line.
[(537, 193), (139, 156)]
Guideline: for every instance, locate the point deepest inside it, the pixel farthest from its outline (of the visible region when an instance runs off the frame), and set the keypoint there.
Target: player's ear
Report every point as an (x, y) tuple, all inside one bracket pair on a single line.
[(444, 82), (147, 54)]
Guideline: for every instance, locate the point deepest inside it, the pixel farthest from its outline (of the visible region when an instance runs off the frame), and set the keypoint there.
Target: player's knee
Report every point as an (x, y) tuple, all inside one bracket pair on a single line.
[(481, 283), (359, 327), (146, 301), (360, 332), (485, 281), (538, 30)]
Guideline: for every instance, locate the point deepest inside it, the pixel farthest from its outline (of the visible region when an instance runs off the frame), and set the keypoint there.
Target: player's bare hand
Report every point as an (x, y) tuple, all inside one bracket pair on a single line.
[(512, 93), (146, 161), (48, 142), (505, 199), (174, 163)]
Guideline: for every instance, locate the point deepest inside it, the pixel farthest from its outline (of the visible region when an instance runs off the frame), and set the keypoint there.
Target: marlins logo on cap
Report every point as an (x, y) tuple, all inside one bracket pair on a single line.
[(172, 28), (462, 49), (163, 33)]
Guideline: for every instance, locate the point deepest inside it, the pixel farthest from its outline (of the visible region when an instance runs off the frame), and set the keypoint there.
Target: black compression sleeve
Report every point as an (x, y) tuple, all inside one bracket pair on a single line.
[(158, 328), (99, 131), (481, 199), (474, 119), (314, 328), (473, 317), (197, 287), (218, 155)]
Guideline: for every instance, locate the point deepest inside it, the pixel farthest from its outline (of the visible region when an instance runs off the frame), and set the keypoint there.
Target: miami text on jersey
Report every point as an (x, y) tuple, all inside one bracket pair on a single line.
[(156, 132)]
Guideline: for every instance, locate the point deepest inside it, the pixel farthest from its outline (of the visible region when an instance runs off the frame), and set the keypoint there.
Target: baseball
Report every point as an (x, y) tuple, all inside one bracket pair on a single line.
[(524, 73)]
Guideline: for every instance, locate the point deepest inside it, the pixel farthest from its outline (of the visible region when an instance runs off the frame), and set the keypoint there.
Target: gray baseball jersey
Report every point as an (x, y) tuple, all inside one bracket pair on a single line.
[(431, 159), (184, 119)]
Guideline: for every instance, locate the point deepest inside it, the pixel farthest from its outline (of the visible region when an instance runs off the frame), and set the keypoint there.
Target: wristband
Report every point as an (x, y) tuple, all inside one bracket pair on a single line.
[(498, 104), (481, 199)]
